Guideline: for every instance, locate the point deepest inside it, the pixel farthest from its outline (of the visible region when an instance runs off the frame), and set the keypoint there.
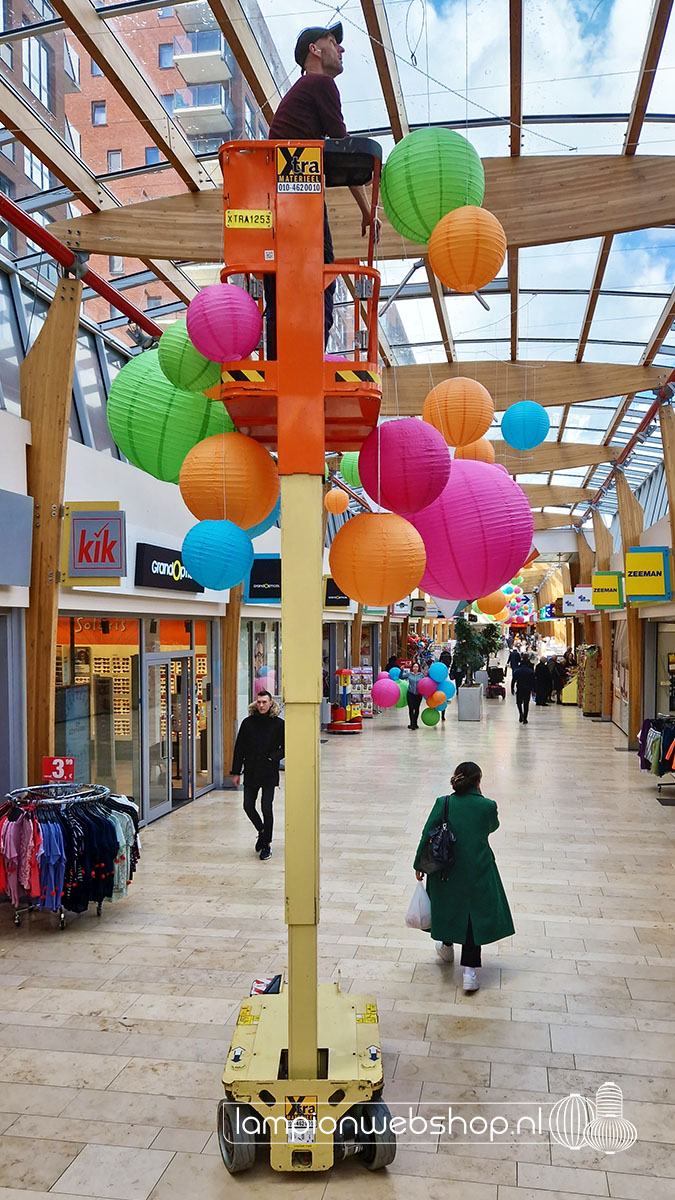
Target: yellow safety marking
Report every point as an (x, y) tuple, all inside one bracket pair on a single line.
[(248, 218), (369, 1017), (246, 1016), (243, 376), (357, 377)]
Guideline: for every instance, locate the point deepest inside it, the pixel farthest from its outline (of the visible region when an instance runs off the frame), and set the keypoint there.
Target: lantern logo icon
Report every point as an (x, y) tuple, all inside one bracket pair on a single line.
[(575, 1121)]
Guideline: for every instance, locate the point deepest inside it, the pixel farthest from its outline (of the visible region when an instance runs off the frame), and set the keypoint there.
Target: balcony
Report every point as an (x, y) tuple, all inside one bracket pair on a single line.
[(196, 16), (203, 57), (204, 109)]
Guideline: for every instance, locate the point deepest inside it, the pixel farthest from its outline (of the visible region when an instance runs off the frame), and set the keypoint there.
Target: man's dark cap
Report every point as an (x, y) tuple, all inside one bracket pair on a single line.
[(313, 34)]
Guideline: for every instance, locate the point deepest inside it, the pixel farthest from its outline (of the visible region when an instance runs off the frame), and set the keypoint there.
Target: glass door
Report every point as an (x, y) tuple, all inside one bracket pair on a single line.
[(182, 729), (157, 741)]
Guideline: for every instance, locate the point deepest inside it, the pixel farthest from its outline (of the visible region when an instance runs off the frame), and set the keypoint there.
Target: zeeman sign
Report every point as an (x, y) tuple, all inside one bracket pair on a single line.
[(648, 573)]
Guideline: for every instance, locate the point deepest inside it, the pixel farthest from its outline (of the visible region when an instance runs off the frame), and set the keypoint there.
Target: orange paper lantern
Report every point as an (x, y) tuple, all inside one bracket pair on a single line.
[(480, 451), (377, 558), (229, 477), (501, 616), (336, 501), (467, 248), (491, 604), (436, 698), (461, 409)]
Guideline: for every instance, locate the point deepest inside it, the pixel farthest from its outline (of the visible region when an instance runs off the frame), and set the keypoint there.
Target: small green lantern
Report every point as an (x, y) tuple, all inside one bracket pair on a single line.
[(182, 363), (430, 173), (349, 468)]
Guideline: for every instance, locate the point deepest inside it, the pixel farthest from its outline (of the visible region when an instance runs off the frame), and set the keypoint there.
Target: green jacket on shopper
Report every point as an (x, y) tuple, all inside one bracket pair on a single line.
[(473, 887)]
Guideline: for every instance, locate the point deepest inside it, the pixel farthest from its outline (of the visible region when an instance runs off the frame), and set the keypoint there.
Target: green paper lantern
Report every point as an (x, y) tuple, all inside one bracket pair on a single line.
[(182, 363), (349, 468), (154, 423), (403, 688), (430, 173), (430, 717)]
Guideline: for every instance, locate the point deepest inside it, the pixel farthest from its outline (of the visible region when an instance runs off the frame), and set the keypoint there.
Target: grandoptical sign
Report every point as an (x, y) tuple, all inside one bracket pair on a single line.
[(94, 544), (648, 573), (299, 169), (263, 585), (333, 596), (607, 589), (159, 567)]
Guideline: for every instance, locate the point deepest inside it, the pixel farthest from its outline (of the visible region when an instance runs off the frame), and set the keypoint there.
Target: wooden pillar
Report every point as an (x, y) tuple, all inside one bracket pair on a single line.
[(603, 553), (667, 422), (585, 574), (46, 396), (404, 636), (357, 626), (384, 644), (631, 520), (229, 640)]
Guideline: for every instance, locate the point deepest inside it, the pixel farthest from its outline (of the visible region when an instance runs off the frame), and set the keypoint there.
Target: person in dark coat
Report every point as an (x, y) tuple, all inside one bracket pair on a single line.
[(543, 683), (558, 677), (470, 906), (393, 662), (259, 749), (514, 659), (523, 683), (446, 658)]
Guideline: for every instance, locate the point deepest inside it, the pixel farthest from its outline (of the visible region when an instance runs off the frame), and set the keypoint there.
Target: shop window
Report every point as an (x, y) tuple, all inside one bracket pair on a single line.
[(37, 69), (203, 703), (114, 160), (99, 113), (164, 634), (165, 54), (264, 658)]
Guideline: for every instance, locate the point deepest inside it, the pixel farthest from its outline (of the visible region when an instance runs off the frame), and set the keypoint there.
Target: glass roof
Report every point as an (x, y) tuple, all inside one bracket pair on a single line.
[(581, 63)]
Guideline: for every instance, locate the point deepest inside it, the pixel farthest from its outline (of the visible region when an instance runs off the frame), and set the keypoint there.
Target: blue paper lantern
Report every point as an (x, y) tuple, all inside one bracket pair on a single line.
[(442, 707), (218, 554), (508, 590), (270, 520), (438, 671), (525, 425), (395, 673)]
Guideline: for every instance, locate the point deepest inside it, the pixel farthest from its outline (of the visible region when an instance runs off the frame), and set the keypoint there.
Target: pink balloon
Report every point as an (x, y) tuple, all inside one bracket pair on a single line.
[(426, 686), (224, 322), (404, 465), (386, 693), (476, 534), (383, 675)]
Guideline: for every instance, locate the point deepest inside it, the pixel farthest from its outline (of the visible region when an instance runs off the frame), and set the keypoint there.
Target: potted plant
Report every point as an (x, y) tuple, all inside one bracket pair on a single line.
[(492, 640), (469, 657)]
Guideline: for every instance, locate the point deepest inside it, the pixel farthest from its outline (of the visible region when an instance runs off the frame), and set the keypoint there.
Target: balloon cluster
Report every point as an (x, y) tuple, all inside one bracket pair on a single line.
[(163, 418), (390, 691)]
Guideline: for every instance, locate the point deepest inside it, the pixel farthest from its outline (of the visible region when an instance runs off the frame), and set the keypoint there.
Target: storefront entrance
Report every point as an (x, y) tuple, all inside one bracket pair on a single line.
[(169, 764)]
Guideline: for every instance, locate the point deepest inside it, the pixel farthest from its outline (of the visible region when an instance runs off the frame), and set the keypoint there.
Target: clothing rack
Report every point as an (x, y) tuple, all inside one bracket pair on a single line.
[(661, 723), (64, 846)]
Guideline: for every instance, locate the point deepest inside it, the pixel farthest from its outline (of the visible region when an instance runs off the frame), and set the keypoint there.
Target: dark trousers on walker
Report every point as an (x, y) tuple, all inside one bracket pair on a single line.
[(470, 951), (523, 702), (266, 825), (414, 709)]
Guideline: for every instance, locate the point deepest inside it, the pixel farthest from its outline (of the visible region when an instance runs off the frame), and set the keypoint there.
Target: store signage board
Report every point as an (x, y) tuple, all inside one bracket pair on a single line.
[(648, 573), (584, 598), (57, 770), (16, 538), (94, 544), (162, 568), (607, 588), (333, 596), (263, 585), (418, 608), (401, 608), (569, 606)]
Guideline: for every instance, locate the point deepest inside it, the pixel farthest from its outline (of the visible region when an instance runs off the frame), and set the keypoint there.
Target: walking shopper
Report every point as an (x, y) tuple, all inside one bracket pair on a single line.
[(523, 684), (259, 749), (514, 659), (470, 905), (414, 698), (543, 683)]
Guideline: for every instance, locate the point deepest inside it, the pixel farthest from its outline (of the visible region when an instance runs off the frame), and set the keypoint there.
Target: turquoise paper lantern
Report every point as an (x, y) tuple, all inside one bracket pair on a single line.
[(349, 468), (438, 671), (270, 520), (218, 554), (525, 425), (154, 423), (395, 673), (428, 174), (448, 687), (182, 363)]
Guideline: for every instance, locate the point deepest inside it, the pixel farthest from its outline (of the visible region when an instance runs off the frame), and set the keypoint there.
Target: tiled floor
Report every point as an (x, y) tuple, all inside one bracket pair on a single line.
[(114, 1033)]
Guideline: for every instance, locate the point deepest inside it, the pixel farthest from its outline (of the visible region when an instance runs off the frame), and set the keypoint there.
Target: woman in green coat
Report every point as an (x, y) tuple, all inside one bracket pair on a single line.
[(470, 907)]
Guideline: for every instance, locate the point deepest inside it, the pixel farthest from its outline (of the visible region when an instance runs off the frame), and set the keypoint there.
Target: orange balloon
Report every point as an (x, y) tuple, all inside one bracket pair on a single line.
[(466, 248), (336, 501), (377, 558), (461, 409), (229, 477), (501, 616), (480, 451), (436, 698), (491, 604)]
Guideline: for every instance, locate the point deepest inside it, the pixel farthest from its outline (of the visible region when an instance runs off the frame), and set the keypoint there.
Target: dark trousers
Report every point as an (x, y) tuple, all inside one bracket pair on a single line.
[(414, 709), (270, 283), (250, 796), (523, 702), (470, 951)]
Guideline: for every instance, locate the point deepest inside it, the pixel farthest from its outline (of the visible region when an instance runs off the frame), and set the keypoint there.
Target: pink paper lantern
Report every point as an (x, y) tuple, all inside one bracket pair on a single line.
[(476, 534), (426, 686), (383, 675), (224, 322), (385, 693), (404, 465)]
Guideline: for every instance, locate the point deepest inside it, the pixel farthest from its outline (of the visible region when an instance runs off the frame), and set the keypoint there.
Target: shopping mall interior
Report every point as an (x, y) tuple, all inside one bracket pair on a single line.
[(394, 467)]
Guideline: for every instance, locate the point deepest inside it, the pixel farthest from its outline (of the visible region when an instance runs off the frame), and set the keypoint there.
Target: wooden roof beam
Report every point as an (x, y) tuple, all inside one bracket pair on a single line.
[(550, 456), (377, 24)]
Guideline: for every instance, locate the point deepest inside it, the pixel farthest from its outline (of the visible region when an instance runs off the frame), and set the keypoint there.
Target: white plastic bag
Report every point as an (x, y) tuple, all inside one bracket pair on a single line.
[(418, 915)]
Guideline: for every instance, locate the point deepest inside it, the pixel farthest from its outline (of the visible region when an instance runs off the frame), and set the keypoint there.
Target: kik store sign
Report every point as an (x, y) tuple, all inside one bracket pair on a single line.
[(94, 544), (648, 573)]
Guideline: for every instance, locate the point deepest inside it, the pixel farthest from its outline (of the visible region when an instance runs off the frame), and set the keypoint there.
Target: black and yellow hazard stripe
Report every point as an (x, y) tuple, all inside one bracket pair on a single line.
[(357, 377), (243, 376)]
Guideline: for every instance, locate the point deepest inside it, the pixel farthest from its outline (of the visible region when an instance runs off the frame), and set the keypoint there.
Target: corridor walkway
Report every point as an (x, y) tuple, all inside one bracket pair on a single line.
[(114, 1033)]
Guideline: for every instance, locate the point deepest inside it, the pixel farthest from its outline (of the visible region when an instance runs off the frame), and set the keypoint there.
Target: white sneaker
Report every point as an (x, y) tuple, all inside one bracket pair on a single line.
[(470, 980), (446, 953)]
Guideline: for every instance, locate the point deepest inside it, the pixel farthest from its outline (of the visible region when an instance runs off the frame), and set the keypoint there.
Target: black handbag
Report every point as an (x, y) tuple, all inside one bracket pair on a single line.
[(437, 854)]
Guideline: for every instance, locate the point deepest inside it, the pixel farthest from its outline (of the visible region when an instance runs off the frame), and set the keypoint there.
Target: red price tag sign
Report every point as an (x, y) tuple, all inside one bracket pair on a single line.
[(58, 770)]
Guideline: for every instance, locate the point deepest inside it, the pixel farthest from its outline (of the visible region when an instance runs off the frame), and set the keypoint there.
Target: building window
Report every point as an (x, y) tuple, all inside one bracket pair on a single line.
[(95, 69), (165, 54), (9, 150), (116, 264), (36, 171), (151, 155), (167, 101), (6, 189), (99, 114), (114, 160), (165, 12), (37, 68), (154, 301), (249, 121)]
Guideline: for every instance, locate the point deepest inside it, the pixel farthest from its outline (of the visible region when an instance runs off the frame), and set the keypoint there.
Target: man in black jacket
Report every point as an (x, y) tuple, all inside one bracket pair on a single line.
[(259, 749), (523, 684)]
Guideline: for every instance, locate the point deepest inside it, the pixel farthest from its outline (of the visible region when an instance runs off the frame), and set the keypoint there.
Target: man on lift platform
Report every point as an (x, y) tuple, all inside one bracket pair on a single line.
[(311, 109)]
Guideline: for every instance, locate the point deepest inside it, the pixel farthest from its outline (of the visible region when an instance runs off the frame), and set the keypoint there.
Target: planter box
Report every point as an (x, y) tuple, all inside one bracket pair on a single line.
[(469, 703)]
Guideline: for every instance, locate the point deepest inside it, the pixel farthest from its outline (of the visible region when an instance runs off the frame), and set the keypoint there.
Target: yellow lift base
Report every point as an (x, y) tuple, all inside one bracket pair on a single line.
[(308, 1124)]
